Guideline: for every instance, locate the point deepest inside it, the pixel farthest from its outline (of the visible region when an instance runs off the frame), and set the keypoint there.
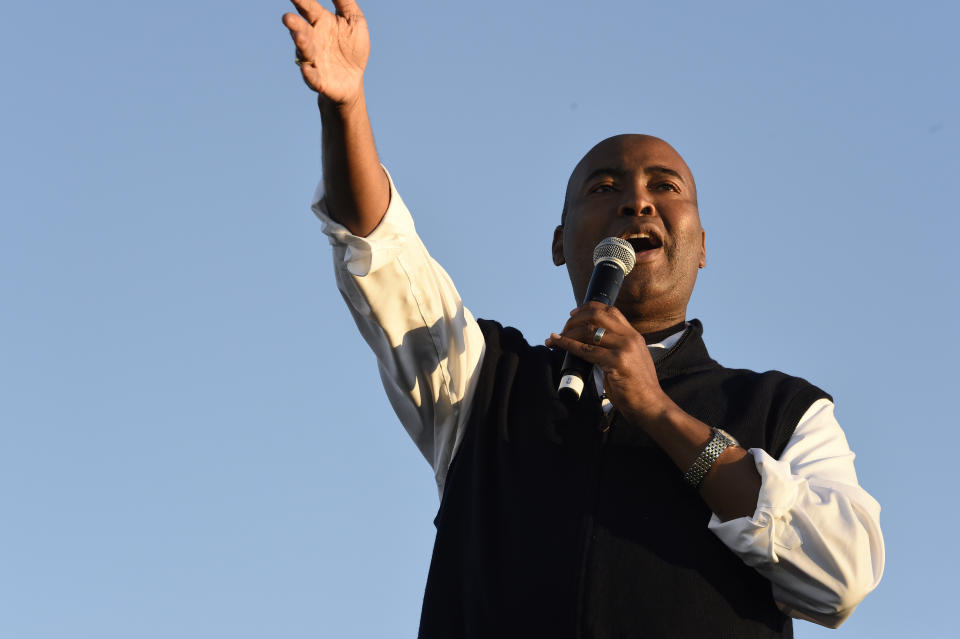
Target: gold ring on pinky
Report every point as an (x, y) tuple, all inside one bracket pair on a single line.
[(598, 335)]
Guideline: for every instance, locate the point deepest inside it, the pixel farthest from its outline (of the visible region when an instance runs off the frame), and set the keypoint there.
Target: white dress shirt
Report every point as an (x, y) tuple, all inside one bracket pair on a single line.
[(815, 534)]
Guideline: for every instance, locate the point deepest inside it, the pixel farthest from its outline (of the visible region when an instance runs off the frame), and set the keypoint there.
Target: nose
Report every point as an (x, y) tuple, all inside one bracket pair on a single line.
[(636, 203)]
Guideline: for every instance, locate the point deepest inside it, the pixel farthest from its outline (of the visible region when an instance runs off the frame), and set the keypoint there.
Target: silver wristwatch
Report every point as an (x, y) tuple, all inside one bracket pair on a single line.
[(720, 441)]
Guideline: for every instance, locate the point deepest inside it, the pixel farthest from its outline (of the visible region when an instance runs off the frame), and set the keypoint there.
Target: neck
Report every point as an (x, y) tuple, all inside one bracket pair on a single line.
[(645, 323)]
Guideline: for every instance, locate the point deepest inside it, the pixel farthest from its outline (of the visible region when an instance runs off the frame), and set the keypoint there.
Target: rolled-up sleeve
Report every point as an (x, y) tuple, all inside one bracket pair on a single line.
[(428, 345), (815, 533)]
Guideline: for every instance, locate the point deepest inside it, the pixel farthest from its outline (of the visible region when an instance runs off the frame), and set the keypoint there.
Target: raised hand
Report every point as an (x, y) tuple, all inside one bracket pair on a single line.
[(332, 49)]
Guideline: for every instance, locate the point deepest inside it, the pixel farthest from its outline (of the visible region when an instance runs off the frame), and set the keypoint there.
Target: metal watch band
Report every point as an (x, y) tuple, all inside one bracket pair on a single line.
[(720, 441)]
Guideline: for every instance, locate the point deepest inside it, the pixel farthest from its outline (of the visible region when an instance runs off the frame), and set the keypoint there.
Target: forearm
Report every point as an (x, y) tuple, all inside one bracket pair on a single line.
[(815, 533), (732, 486), (357, 190), (332, 53), (802, 521)]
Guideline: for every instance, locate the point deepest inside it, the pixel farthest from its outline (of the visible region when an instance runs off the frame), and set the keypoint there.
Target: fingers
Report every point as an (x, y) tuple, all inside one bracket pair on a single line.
[(295, 23), (589, 352), (595, 308), (309, 9), (586, 319), (346, 6), (586, 332), (300, 31), (579, 335)]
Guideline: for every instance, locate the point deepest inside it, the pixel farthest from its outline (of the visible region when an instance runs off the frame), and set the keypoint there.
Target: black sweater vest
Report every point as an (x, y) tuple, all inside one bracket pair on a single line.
[(550, 528)]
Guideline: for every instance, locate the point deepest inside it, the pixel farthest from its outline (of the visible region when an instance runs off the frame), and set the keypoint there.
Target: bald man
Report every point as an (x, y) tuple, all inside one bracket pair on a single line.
[(677, 498)]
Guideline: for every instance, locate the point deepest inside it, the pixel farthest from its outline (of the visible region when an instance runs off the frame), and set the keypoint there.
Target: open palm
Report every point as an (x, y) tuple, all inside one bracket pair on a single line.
[(333, 47)]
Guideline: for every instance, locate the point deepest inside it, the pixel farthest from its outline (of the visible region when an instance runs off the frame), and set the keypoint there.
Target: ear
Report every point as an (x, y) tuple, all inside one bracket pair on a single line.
[(558, 246), (703, 248)]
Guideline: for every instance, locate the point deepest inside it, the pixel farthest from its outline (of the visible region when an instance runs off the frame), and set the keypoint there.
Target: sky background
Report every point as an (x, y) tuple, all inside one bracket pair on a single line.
[(194, 440)]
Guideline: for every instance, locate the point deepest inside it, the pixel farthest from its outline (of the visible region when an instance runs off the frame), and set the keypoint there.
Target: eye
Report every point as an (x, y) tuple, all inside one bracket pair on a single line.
[(666, 186), (601, 188)]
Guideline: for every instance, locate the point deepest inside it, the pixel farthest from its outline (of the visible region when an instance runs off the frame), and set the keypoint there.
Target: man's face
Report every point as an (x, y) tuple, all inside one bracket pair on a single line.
[(638, 188)]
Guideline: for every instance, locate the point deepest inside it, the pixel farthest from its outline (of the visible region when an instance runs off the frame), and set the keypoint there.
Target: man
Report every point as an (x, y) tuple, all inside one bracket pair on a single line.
[(677, 498)]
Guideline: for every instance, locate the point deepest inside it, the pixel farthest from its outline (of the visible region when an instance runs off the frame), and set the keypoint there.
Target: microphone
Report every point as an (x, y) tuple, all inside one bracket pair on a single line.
[(613, 258)]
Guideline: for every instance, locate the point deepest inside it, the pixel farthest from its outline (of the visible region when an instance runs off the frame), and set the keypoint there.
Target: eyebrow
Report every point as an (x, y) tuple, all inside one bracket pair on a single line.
[(619, 173), (602, 172), (667, 170)]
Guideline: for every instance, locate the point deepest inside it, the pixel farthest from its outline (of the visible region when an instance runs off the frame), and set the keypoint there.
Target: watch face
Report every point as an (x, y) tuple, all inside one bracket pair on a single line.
[(733, 440)]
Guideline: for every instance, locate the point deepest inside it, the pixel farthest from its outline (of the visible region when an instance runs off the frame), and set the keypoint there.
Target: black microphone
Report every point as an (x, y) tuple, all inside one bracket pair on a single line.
[(612, 260)]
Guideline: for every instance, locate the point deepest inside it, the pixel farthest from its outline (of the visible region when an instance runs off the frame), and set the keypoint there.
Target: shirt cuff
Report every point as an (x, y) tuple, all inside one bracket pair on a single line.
[(364, 255), (759, 539)]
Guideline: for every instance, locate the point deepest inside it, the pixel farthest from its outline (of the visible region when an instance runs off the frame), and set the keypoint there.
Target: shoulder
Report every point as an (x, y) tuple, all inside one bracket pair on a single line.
[(779, 399), (762, 407), (772, 378), (502, 339), (781, 388), (783, 393), (496, 334), (510, 360)]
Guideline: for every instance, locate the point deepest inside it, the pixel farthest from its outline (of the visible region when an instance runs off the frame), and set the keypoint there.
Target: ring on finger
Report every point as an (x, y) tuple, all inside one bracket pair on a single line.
[(598, 335), (298, 59)]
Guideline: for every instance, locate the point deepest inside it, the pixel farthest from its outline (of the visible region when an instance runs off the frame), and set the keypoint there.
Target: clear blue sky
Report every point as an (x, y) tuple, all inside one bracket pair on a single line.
[(194, 441)]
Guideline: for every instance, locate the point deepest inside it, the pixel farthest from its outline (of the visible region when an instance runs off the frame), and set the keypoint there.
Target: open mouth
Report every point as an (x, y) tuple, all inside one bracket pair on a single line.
[(643, 242)]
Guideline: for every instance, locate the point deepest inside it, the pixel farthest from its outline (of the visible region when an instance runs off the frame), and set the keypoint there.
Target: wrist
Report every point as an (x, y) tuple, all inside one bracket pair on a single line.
[(343, 110), (720, 440), (657, 415)]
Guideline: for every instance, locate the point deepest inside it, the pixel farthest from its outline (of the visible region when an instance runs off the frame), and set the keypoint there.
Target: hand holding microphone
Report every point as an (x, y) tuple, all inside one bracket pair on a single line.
[(613, 258)]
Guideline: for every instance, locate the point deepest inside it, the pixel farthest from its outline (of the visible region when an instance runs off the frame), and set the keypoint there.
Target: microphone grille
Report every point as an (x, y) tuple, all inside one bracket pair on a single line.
[(613, 249)]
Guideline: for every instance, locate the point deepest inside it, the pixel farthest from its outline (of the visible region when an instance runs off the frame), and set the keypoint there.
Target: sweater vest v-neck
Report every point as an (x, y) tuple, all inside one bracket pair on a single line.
[(550, 528)]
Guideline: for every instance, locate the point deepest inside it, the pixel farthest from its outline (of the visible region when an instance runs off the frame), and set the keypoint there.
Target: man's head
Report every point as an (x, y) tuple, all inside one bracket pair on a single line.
[(636, 187)]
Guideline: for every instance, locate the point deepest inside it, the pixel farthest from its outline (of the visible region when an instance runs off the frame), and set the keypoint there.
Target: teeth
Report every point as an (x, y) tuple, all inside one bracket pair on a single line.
[(648, 240)]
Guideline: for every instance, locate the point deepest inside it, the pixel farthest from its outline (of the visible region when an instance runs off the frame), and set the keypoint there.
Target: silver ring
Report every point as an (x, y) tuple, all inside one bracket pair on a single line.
[(598, 335)]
